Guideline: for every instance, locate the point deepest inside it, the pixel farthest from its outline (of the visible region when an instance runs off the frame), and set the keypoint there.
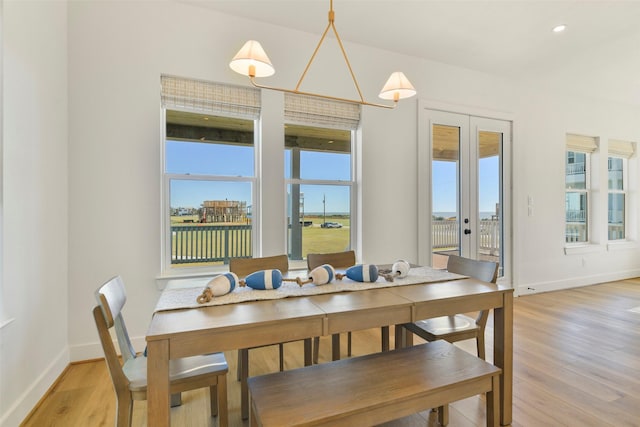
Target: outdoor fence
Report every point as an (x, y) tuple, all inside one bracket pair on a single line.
[(209, 243), (200, 243), (445, 234)]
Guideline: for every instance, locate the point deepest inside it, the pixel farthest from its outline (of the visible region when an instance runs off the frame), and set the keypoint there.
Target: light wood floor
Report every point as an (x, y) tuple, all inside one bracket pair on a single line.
[(576, 363)]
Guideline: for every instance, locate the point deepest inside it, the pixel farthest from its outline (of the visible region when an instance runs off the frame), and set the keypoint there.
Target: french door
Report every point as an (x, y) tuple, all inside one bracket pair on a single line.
[(464, 182)]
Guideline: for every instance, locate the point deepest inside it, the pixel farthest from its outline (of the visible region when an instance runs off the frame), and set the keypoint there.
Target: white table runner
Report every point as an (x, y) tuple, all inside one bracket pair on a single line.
[(183, 295)]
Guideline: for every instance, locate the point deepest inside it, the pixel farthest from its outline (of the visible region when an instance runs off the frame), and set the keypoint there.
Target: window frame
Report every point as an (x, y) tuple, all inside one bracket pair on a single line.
[(588, 191), (167, 267), (351, 183), (624, 192)]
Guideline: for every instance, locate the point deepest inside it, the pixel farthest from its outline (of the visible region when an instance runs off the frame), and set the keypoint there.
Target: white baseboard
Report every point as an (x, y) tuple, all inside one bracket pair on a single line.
[(576, 282), (19, 410), (93, 350)]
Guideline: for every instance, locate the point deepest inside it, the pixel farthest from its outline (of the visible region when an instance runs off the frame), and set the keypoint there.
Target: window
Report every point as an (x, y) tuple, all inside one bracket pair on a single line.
[(619, 152), (319, 175), (578, 187), (209, 172)]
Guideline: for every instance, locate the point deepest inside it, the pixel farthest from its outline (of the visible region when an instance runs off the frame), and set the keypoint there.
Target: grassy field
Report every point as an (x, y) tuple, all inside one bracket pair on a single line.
[(315, 239)]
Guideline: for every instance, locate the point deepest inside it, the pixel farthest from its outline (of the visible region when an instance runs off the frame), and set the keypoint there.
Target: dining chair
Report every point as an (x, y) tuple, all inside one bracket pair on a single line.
[(339, 260), (459, 327), (242, 267), (130, 377)]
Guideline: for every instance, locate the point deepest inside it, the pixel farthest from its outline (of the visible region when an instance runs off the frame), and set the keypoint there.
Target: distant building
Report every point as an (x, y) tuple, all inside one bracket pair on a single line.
[(224, 211)]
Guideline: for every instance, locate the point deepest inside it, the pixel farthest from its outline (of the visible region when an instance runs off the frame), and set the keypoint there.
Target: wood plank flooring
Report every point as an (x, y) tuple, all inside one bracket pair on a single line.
[(576, 363)]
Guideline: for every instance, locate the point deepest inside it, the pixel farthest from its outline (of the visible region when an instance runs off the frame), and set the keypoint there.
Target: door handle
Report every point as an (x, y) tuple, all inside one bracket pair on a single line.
[(467, 231)]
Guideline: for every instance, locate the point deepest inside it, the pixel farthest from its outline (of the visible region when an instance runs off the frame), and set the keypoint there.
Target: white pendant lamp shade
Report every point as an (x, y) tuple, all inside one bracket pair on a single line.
[(397, 87), (252, 61)]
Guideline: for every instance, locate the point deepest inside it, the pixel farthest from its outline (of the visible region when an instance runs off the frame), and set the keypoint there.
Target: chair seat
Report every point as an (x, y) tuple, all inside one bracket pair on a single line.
[(184, 368), (450, 328)]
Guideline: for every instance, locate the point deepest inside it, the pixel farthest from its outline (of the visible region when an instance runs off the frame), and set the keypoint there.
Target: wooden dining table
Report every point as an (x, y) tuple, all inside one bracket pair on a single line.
[(193, 331)]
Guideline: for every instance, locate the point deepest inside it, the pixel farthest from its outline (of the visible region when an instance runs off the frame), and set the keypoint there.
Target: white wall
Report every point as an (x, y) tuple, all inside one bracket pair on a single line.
[(116, 53), (34, 344)]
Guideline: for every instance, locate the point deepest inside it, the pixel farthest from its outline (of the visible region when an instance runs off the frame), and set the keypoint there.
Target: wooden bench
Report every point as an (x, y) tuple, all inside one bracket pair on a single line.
[(376, 388)]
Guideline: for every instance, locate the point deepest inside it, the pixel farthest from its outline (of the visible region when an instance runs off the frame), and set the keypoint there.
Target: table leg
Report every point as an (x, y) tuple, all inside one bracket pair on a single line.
[(503, 355), (158, 383)]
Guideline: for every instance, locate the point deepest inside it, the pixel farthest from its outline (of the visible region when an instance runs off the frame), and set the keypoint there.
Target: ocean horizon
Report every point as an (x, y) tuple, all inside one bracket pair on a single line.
[(483, 215)]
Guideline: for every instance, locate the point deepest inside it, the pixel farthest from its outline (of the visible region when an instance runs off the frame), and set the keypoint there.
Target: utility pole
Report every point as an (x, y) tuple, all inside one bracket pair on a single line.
[(324, 209)]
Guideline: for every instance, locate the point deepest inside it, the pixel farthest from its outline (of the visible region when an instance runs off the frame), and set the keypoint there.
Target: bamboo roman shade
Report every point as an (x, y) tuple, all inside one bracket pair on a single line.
[(624, 149), (581, 143), (321, 112), (214, 98)]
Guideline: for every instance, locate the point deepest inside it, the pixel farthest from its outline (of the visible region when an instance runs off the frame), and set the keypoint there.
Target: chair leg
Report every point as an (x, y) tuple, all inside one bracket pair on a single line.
[(244, 389), (124, 410), (213, 400), (219, 405), (281, 350), (480, 345), (176, 399), (349, 343), (239, 367), (443, 415), (384, 333), (316, 349)]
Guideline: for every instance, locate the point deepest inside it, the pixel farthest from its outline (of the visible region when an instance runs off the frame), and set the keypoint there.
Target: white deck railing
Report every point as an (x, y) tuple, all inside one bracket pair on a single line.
[(445, 234)]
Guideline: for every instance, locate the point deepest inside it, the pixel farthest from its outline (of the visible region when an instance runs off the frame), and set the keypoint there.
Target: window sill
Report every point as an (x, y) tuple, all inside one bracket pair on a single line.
[(190, 275), (621, 245), (583, 249)]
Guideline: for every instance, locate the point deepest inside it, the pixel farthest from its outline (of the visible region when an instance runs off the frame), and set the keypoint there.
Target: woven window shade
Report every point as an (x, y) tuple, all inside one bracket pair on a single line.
[(209, 97), (583, 144), (623, 149), (323, 112)]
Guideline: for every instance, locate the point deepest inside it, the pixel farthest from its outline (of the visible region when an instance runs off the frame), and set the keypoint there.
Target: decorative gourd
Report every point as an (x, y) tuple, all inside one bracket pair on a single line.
[(400, 268), (360, 273), (263, 280), (218, 286), (320, 275)]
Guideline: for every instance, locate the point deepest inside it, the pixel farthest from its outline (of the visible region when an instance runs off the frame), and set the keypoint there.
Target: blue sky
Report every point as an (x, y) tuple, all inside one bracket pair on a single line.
[(226, 160)]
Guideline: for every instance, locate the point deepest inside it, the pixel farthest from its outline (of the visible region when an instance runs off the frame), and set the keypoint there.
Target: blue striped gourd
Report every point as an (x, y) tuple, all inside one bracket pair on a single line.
[(361, 273), (263, 280)]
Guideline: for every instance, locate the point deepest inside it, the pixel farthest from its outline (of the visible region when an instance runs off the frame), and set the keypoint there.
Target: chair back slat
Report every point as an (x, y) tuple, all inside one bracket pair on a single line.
[(481, 270), (242, 267), (336, 259), (111, 298)]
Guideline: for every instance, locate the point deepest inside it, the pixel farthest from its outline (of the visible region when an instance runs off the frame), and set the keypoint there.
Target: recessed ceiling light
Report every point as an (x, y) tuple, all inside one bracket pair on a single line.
[(559, 28)]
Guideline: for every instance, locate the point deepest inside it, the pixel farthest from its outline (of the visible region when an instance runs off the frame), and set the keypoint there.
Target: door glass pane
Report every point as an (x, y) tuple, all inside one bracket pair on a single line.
[(445, 194), (489, 196)]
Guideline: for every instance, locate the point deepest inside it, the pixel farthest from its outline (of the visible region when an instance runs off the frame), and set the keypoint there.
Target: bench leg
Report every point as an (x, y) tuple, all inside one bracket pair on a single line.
[(493, 403), (443, 415)]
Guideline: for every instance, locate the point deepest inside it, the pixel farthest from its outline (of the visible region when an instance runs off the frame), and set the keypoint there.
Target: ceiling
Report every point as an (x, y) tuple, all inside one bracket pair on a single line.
[(599, 52)]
